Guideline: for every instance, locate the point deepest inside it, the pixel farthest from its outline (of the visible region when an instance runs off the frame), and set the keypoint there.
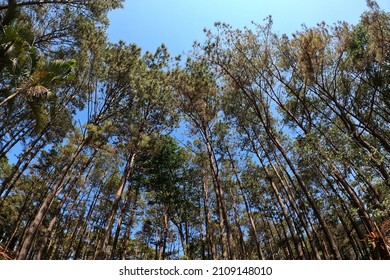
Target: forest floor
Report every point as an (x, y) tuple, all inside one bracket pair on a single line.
[(5, 254)]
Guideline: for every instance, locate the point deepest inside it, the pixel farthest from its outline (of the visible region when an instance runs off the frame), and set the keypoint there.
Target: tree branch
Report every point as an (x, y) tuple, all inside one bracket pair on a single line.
[(41, 2)]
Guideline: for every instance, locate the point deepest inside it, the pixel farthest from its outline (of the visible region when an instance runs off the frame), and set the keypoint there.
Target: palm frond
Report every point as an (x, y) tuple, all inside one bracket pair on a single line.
[(39, 114), (53, 72)]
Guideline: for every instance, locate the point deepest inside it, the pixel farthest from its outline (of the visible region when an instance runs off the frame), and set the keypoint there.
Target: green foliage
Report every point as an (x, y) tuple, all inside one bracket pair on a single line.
[(5, 167), (24, 73), (163, 169)]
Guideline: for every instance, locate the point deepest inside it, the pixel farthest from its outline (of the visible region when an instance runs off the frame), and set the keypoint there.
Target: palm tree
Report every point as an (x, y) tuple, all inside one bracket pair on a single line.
[(24, 72)]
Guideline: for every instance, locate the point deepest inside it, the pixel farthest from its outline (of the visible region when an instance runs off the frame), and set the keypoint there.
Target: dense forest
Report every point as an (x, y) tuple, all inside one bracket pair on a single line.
[(286, 153)]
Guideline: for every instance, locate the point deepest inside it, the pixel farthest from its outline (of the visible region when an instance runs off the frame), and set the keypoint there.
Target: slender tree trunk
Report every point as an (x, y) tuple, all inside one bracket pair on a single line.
[(280, 201), (227, 240), (49, 231), (15, 139), (164, 235), (23, 162), (243, 251), (265, 122), (33, 229), (209, 234), (85, 224), (19, 220), (119, 225), (247, 208), (118, 196), (44, 247), (324, 226), (129, 225)]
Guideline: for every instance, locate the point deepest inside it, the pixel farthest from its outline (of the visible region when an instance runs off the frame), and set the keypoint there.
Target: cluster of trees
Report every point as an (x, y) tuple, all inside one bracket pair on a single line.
[(287, 148)]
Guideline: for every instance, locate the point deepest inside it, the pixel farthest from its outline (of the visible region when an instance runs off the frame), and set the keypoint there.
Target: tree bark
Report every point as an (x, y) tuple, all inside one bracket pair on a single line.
[(33, 229), (102, 253)]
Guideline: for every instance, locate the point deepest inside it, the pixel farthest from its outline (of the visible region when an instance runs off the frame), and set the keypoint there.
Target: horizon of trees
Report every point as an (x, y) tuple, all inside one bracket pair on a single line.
[(287, 154)]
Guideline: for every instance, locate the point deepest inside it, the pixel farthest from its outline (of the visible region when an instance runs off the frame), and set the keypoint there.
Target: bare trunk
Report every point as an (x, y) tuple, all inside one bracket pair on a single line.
[(21, 165), (33, 229), (119, 226), (248, 211), (102, 253), (129, 225), (209, 235), (227, 240)]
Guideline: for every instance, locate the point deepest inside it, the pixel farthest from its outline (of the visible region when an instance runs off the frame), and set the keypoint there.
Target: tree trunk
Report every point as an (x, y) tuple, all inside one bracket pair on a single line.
[(102, 252), (209, 234), (33, 229), (248, 211), (227, 240)]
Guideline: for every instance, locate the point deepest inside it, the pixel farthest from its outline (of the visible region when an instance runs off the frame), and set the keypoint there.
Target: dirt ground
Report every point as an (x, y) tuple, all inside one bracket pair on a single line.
[(6, 255)]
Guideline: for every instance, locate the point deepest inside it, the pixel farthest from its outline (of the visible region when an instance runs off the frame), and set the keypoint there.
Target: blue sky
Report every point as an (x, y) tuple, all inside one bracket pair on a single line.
[(178, 23)]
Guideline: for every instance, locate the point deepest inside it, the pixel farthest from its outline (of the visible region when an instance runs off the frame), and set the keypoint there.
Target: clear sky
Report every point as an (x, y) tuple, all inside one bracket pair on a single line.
[(178, 23)]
